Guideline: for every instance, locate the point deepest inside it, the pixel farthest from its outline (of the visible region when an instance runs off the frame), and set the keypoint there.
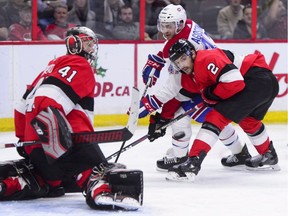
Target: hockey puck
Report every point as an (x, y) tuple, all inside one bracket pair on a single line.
[(178, 135)]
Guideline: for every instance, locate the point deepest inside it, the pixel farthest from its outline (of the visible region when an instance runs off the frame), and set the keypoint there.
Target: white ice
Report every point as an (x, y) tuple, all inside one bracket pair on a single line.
[(216, 190)]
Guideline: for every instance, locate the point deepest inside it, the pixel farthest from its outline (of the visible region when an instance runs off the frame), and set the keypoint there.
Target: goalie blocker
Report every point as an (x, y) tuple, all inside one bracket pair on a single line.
[(54, 132)]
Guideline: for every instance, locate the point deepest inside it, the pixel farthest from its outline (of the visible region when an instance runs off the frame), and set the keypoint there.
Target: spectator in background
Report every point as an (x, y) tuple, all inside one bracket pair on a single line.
[(182, 3), (246, 2), (243, 27), (178, 2), (81, 14), (57, 30), (98, 7), (46, 11), (11, 10), (21, 31), (135, 5), (71, 2), (228, 18), (153, 8), (111, 12), (3, 26), (274, 18), (126, 29)]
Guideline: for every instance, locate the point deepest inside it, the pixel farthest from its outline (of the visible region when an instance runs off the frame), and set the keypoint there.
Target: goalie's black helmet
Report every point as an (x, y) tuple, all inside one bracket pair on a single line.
[(179, 48), (75, 39)]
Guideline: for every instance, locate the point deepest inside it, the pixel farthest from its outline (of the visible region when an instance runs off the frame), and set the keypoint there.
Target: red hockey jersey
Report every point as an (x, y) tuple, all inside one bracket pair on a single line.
[(68, 83), (224, 70), (18, 32), (58, 30)]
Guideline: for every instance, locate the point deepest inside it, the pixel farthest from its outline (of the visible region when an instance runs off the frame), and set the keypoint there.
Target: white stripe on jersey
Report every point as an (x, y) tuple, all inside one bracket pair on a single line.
[(60, 97), (20, 106), (238, 60), (56, 94), (230, 76), (89, 114)]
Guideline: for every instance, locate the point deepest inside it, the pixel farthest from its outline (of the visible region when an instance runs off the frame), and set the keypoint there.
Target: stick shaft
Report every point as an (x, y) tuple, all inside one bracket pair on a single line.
[(141, 139)]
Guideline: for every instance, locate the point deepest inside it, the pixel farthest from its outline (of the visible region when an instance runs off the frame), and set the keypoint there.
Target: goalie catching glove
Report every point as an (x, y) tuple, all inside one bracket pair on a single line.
[(156, 122), (54, 132), (152, 68)]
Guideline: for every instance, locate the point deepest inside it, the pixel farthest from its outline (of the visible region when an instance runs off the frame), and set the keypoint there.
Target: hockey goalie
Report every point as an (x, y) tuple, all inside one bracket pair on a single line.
[(59, 102)]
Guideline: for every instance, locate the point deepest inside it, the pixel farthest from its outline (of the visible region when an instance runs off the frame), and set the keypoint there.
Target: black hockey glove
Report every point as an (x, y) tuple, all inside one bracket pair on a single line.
[(209, 98), (156, 121), (21, 151)]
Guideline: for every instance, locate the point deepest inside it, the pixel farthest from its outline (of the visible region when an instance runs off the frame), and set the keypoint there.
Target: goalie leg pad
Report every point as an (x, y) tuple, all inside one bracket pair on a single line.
[(54, 132), (20, 181), (14, 168), (117, 189), (7, 169), (127, 182)]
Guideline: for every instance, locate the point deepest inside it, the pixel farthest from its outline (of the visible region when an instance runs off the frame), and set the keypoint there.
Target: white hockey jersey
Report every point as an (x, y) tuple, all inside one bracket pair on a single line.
[(171, 88)]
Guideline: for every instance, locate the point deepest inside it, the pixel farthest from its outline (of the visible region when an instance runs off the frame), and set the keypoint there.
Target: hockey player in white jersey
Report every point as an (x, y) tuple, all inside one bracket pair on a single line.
[(174, 98)]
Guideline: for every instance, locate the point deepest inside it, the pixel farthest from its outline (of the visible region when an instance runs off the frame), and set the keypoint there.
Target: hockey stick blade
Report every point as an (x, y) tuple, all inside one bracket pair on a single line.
[(107, 136), (141, 139)]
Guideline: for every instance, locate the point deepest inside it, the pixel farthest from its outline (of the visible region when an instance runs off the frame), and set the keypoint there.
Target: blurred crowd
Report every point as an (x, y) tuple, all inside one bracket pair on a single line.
[(119, 19)]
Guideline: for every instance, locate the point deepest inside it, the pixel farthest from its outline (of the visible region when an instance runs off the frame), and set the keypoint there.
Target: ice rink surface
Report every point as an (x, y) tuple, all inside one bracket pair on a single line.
[(216, 190)]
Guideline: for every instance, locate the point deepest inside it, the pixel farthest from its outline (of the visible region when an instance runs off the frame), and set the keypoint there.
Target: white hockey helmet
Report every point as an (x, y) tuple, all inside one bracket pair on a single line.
[(172, 13), (74, 43)]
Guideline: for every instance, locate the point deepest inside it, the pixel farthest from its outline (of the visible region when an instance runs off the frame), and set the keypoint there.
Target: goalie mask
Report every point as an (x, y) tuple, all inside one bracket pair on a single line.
[(82, 41)]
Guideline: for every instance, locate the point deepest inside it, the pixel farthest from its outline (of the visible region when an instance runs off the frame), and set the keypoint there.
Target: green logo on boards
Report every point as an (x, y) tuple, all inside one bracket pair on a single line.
[(100, 70)]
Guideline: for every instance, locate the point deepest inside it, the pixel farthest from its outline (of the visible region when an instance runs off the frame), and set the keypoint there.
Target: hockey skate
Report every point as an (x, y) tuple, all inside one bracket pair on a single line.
[(186, 171), (118, 201), (266, 161), (168, 162), (236, 160)]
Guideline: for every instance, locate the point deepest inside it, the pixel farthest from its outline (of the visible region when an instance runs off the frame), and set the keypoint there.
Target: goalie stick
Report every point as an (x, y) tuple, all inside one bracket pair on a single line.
[(107, 136), (143, 95), (172, 121)]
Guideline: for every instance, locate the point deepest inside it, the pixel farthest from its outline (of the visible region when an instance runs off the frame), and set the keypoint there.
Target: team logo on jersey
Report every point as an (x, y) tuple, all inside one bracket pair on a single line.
[(172, 70)]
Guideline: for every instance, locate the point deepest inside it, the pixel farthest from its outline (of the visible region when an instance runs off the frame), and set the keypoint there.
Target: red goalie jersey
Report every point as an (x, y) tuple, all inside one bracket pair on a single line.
[(67, 84)]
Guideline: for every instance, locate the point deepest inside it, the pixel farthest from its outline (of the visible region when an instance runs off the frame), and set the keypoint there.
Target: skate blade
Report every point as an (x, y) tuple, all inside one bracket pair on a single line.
[(161, 170), (173, 176), (235, 168), (128, 203), (275, 167)]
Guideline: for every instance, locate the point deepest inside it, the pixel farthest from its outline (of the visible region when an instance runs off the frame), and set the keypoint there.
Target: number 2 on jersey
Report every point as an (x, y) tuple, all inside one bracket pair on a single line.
[(213, 68), (65, 72)]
